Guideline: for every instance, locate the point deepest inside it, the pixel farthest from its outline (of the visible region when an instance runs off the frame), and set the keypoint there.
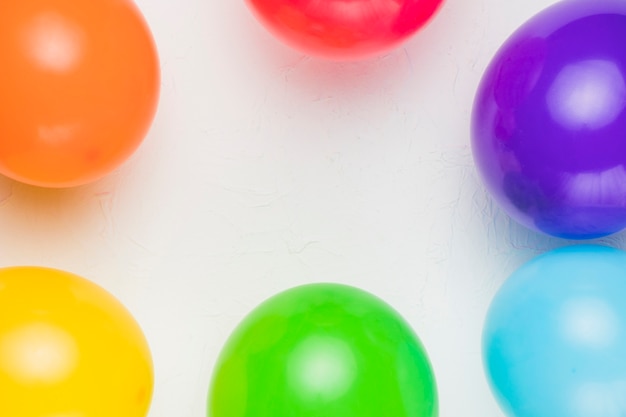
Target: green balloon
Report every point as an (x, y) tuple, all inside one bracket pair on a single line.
[(323, 350)]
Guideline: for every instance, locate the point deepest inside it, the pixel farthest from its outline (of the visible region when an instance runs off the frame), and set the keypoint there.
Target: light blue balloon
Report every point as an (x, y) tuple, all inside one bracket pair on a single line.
[(554, 341)]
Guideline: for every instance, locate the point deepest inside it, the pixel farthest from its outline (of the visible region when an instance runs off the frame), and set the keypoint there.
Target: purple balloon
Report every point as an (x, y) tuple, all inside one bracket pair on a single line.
[(549, 121)]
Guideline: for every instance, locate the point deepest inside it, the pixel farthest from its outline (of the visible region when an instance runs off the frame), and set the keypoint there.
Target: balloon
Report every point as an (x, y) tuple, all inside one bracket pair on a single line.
[(343, 30), (68, 348), (78, 91), (554, 341), (549, 121), (323, 350)]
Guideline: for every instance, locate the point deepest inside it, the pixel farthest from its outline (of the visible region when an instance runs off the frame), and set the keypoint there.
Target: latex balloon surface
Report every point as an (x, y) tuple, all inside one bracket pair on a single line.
[(78, 88), (555, 336), (68, 349), (344, 29), (549, 122), (323, 350)]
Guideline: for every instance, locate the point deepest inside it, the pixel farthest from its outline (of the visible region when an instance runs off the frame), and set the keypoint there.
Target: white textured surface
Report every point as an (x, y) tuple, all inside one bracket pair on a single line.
[(266, 169)]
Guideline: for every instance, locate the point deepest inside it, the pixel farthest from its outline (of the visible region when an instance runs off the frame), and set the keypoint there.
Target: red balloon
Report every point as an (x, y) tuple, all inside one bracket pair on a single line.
[(344, 29)]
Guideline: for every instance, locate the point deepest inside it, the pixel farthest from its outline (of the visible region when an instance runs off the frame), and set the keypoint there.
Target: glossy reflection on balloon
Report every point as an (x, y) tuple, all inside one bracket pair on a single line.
[(68, 349), (554, 340), (342, 30), (549, 121), (54, 42), (323, 350), (38, 352)]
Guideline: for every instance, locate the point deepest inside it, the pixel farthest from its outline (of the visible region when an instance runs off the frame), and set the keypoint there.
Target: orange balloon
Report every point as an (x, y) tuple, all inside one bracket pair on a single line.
[(79, 87), (69, 349)]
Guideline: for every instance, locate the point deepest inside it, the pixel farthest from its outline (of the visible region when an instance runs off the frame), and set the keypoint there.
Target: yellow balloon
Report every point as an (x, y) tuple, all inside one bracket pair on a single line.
[(69, 349)]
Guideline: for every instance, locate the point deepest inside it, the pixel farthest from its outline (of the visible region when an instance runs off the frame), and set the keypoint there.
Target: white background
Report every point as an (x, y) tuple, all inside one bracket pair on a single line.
[(266, 169)]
